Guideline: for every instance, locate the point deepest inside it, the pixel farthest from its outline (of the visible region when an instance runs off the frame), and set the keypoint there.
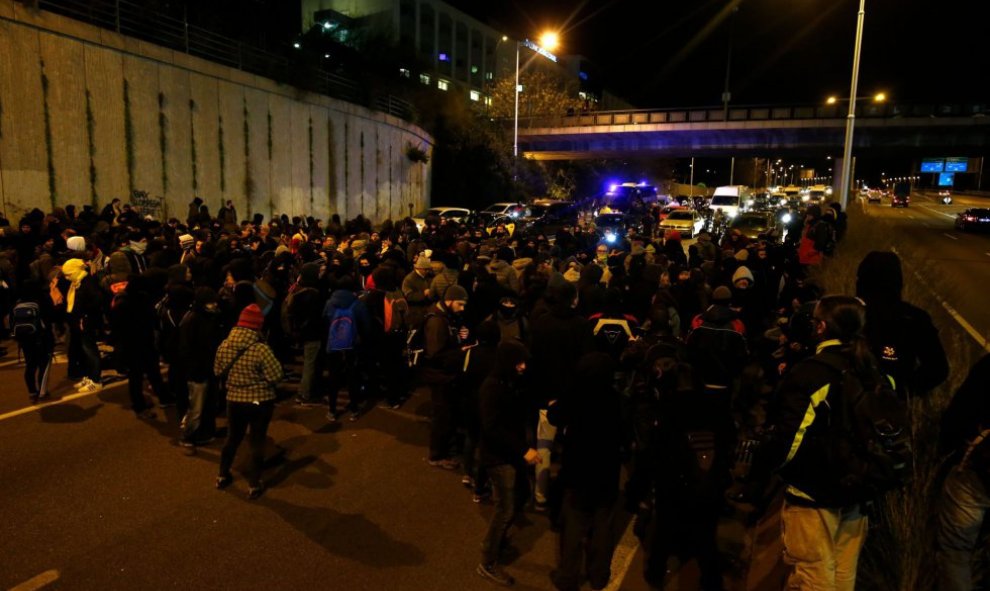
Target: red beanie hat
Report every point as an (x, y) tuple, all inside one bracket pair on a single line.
[(251, 317)]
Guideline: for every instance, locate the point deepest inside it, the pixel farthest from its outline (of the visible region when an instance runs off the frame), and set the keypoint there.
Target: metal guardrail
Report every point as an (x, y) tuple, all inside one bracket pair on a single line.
[(128, 18), (750, 113)]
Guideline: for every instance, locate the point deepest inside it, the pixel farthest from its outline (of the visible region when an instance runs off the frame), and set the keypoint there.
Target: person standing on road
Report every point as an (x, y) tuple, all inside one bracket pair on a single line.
[(591, 420), (200, 334), (133, 324), (505, 452), (558, 338), (31, 321), (251, 372), (84, 312), (443, 360)]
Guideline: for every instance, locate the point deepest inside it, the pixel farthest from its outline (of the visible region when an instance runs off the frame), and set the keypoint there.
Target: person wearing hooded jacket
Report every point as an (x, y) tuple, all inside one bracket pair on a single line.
[(133, 327), (200, 334), (902, 337), (504, 451), (444, 338), (591, 420), (557, 339), (346, 366), (84, 311), (304, 319)]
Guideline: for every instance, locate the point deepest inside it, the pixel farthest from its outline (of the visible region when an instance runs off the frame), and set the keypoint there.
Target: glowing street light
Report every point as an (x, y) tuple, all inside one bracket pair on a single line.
[(879, 97), (549, 40)]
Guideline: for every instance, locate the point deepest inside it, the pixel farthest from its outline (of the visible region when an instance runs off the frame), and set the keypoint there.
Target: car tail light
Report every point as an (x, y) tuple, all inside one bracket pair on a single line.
[(969, 218)]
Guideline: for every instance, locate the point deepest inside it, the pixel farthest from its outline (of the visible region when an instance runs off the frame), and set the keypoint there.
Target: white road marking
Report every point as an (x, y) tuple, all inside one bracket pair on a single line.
[(980, 340), (70, 397), (950, 216), (947, 235), (623, 557), (37, 582)]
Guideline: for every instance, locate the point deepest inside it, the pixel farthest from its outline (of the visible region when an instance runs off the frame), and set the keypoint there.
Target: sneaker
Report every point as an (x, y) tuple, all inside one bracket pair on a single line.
[(223, 482), (256, 491), (34, 397), (81, 383), (332, 417), (307, 402), (495, 574), (467, 481), (446, 464), (482, 497), (90, 387), (186, 443), (540, 506), (43, 395)]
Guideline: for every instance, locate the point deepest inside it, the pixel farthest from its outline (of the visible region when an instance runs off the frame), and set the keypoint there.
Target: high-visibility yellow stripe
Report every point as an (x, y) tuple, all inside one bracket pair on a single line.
[(792, 490), (893, 383), (809, 417), (828, 343)]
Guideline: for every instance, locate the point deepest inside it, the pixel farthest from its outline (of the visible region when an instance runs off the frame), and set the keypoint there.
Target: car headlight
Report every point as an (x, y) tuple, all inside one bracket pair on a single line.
[(783, 202), (786, 218), (805, 197), (731, 213)]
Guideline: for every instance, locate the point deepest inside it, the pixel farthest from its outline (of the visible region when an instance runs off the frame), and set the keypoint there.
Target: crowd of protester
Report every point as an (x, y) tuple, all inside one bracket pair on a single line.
[(640, 357)]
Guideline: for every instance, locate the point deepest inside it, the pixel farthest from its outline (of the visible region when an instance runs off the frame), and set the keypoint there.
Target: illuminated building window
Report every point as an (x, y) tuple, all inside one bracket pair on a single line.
[(425, 79), (443, 84), (475, 95)]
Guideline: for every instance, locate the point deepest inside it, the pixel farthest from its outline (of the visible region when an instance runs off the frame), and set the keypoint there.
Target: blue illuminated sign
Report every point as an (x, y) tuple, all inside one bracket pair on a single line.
[(956, 164), (945, 179), (932, 165)]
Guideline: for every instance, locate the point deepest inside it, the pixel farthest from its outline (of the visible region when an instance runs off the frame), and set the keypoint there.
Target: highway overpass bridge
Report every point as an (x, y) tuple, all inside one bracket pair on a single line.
[(881, 129)]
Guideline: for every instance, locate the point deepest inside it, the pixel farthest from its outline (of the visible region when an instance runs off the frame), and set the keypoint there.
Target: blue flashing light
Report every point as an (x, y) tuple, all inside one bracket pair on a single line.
[(610, 238), (583, 75), (443, 57), (613, 187)]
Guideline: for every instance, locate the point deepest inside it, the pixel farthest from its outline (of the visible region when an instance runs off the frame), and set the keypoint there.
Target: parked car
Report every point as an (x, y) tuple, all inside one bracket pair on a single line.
[(503, 208), (451, 214), (686, 221), (974, 218), (753, 225), (546, 216)]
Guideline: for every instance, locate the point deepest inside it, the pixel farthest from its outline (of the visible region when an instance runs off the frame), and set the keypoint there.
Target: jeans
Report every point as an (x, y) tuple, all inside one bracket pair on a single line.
[(312, 368), (199, 414), (509, 487), (37, 364), (241, 416), (587, 533), (178, 388), (961, 511), (822, 546), (545, 434)]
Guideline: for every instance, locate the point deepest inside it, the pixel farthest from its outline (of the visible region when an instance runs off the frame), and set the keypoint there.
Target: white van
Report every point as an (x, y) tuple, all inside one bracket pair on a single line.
[(731, 199)]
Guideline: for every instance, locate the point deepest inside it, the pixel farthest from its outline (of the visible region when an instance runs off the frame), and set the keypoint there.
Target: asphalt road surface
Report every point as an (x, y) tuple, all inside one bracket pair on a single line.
[(953, 263), (93, 498)]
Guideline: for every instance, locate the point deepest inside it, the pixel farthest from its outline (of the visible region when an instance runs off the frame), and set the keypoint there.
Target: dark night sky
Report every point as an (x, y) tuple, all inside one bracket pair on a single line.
[(658, 54)]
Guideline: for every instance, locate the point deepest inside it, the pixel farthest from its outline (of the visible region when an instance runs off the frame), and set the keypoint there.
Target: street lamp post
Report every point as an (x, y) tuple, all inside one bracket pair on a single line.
[(851, 116)]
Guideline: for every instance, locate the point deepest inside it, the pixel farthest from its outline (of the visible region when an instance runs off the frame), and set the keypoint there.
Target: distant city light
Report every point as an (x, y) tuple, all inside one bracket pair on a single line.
[(831, 100), (879, 97), (297, 45)]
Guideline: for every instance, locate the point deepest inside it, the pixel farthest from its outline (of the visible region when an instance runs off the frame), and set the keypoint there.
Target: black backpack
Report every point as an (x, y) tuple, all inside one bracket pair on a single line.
[(26, 322), (868, 437)]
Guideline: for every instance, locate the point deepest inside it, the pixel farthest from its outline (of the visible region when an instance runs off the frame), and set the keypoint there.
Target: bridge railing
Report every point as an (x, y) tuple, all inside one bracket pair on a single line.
[(129, 18), (750, 113)]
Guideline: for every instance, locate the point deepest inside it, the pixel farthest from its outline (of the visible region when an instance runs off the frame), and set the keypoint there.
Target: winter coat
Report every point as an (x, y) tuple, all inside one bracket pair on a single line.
[(716, 346), (503, 411), (557, 339), (505, 274), (200, 335)]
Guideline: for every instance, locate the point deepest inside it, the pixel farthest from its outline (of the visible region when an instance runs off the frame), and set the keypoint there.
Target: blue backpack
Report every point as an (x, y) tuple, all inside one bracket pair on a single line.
[(343, 329)]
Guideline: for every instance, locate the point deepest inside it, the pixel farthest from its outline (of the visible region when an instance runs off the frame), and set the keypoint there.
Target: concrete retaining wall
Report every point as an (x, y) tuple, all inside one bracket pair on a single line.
[(87, 115)]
